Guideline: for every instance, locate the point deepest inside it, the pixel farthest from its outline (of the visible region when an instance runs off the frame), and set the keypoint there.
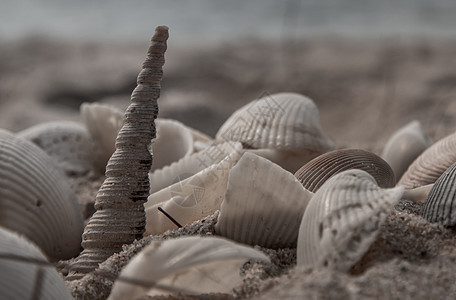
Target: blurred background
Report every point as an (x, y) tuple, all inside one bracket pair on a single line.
[(370, 66)]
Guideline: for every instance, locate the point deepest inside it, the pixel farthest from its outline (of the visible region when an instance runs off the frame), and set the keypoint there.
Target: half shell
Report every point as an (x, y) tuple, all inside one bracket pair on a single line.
[(189, 265), (24, 271), (314, 174), (263, 204), (342, 220), (440, 205), (36, 198), (404, 146), (431, 163)]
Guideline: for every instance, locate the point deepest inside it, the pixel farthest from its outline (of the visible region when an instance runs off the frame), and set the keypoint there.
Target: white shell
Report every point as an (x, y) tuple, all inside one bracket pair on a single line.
[(342, 220), (404, 146), (284, 121), (191, 199), (192, 265), (190, 165), (36, 198), (26, 279), (263, 205), (68, 143)]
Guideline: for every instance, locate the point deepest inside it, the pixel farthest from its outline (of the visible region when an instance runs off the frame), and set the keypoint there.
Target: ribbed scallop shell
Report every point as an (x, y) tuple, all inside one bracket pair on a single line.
[(404, 146), (36, 198), (440, 205), (263, 204), (314, 174), (27, 279), (284, 121), (68, 143), (431, 163), (342, 220), (193, 198), (189, 265)]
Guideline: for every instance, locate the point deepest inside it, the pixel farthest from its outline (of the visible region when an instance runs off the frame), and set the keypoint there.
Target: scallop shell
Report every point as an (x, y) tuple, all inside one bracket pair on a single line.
[(263, 205), (342, 220), (404, 146), (191, 199), (431, 163), (190, 165), (24, 273), (36, 198), (438, 207), (284, 121), (314, 174), (68, 143), (120, 217), (188, 265)]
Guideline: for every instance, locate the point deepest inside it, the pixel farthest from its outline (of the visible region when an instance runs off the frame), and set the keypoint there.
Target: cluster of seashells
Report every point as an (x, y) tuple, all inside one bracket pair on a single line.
[(271, 172)]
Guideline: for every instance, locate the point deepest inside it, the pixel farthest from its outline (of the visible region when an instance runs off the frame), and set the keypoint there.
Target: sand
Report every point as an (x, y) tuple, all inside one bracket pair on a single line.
[(365, 90)]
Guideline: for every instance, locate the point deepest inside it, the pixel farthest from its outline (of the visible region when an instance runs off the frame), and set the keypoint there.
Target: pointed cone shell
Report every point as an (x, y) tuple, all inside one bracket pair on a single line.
[(431, 163), (283, 121), (26, 279), (404, 146), (191, 199), (192, 265), (441, 202), (314, 174), (342, 220), (67, 143), (36, 199), (263, 204)]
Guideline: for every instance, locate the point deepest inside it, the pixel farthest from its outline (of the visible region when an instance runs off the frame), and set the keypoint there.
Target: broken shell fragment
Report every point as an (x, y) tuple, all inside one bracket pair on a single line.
[(187, 265), (342, 220), (314, 174), (263, 204), (427, 167), (36, 198), (404, 146), (441, 201)]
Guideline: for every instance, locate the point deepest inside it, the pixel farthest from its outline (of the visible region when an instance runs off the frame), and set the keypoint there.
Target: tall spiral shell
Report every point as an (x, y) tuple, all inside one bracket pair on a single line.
[(120, 216), (431, 163)]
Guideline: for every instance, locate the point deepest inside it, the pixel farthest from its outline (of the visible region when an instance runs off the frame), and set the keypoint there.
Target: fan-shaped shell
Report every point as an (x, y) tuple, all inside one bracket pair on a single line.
[(427, 167), (68, 143), (192, 265), (284, 121), (36, 199), (441, 202), (342, 220), (29, 278), (404, 146), (263, 204), (314, 174)]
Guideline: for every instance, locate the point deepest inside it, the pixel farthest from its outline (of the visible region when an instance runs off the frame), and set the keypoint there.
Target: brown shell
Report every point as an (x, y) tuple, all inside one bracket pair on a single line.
[(431, 163), (313, 174)]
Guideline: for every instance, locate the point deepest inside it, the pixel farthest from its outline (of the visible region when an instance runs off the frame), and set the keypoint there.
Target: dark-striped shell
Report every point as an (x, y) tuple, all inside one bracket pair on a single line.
[(313, 174), (440, 205)]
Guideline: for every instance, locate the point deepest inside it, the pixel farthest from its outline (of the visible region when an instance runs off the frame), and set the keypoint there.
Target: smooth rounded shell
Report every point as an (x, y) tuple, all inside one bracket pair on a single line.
[(440, 205), (314, 174), (36, 198)]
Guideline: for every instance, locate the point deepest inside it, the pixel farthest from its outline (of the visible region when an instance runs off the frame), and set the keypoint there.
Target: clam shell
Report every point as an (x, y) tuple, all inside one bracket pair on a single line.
[(68, 143), (289, 160), (438, 207), (284, 121), (263, 204), (404, 146), (191, 199), (314, 174), (342, 220), (29, 278), (189, 265), (36, 198), (427, 167)]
